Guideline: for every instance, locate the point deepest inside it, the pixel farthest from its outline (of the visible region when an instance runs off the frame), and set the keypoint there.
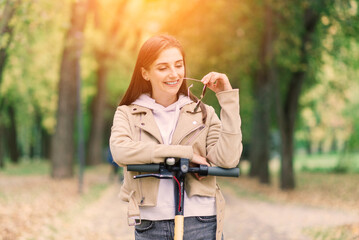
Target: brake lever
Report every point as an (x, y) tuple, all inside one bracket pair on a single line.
[(156, 175), (163, 174)]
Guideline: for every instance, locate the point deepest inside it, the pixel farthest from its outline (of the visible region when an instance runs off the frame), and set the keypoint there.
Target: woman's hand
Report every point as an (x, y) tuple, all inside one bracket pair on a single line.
[(217, 82), (198, 160)]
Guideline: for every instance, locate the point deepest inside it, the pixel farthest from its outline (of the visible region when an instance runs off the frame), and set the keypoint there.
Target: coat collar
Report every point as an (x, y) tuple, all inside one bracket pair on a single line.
[(187, 122), (135, 109)]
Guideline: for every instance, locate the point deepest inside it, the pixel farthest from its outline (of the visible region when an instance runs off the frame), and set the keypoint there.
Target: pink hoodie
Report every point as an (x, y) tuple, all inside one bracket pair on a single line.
[(166, 119)]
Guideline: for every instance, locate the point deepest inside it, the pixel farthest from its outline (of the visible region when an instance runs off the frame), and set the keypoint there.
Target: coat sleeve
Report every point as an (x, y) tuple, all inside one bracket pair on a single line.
[(127, 151), (224, 139)]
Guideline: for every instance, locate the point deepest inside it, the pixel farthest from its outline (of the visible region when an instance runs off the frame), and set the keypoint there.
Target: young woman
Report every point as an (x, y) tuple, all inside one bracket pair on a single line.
[(158, 118)]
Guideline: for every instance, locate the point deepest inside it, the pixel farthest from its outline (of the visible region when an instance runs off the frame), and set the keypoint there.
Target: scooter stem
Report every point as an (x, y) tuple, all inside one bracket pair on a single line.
[(179, 225)]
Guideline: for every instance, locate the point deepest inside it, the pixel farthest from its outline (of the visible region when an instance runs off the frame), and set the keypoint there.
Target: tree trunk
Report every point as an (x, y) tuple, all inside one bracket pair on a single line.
[(287, 114), (62, 148), (2, 155), (259, 151), (260, 145), (12, 137), (45, 144), (95, 146)]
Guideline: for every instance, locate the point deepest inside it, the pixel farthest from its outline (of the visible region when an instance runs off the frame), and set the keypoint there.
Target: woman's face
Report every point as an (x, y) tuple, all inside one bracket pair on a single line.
[(166, 76)]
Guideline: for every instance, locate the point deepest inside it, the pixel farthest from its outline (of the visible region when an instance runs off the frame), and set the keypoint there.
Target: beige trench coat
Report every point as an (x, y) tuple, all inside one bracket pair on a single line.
[(136, 139)]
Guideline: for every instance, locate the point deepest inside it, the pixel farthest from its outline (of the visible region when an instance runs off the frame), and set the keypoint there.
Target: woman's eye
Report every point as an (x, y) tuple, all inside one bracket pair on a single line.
[(162, 68), (179, 66)]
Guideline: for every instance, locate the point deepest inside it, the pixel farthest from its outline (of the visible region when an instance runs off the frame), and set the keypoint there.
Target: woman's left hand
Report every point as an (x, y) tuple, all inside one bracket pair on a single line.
[(217, 82)]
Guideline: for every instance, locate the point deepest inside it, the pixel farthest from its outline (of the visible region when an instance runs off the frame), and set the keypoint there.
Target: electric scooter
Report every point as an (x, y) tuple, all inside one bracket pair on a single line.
[(177, 169)]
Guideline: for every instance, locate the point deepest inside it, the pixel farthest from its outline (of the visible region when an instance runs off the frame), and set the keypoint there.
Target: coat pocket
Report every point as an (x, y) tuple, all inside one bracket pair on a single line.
[(144, 226)]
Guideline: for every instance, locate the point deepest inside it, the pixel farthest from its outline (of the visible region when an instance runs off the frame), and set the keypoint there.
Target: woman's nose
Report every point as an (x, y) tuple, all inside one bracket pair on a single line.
[(174, 73)]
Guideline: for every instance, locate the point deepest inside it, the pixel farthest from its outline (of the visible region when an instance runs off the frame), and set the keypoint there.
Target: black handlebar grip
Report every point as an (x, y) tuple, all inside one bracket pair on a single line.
[(225, 172), (144, 168)]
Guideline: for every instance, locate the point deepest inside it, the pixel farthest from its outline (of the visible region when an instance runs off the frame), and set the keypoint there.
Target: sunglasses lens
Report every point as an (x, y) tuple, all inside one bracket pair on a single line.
[(202, 94), (203, 91), (197, 105)]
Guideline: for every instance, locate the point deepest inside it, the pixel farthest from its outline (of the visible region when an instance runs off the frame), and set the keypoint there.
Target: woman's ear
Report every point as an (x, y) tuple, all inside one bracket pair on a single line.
[(144, 74)]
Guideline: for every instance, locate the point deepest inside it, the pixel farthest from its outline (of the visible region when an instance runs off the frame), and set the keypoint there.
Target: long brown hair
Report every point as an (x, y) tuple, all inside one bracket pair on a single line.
[(149, 52)]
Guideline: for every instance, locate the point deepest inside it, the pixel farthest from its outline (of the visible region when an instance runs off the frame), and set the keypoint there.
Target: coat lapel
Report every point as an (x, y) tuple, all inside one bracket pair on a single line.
[(187, 123), (146, 121)]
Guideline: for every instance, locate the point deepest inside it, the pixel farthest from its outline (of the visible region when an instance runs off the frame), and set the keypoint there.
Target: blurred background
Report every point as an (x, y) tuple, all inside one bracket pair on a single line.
[(64, 66)]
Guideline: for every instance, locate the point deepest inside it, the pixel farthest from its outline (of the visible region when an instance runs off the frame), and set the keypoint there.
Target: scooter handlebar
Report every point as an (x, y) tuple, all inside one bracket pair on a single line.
[(213, 171)]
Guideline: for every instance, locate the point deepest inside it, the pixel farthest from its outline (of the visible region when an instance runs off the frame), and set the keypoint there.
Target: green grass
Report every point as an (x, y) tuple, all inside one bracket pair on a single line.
[(327, 163), (26, 167)]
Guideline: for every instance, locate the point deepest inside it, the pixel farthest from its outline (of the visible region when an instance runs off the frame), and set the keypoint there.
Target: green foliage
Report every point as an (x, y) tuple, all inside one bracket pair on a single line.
[(328, 116), (31, 74), (217, 36)]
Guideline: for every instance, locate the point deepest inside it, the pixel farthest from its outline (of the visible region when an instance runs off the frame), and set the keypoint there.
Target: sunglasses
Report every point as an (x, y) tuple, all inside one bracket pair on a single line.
[(202, 94)]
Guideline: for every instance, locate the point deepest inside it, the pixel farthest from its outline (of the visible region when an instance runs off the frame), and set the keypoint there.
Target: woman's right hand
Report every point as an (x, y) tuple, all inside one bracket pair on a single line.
[(198, 160)]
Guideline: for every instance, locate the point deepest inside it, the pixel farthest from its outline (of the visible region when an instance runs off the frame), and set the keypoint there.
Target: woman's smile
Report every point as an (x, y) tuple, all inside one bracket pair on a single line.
[(172, 82)]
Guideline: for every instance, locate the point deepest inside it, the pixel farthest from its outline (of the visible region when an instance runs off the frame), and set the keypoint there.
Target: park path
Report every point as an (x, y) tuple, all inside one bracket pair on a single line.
[(254, 219), (245, 219)]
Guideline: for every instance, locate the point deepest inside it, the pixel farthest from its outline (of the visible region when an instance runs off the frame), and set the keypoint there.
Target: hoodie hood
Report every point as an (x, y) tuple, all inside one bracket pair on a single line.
[(165, 117)]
